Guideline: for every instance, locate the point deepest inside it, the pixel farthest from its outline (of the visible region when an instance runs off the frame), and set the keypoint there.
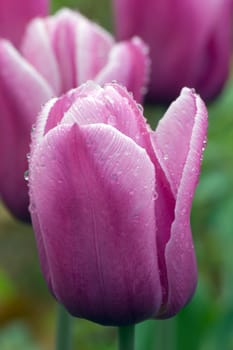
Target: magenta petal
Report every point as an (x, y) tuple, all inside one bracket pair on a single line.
[(179, 142), (14, 15), (167, 29), (128, 64), (22, 93), (101, 239), (217, 57)]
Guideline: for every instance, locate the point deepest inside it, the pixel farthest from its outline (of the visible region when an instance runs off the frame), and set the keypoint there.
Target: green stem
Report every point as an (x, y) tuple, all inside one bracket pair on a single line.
[(63, 340), (166, 334), (126, 338)]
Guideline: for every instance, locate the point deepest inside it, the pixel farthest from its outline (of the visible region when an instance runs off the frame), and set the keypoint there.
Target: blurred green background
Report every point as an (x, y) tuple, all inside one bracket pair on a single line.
[(27, 311)]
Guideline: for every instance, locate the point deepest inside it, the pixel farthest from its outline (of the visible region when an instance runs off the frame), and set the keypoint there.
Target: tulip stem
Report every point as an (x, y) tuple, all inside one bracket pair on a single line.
[(63, 340), (126, 337)]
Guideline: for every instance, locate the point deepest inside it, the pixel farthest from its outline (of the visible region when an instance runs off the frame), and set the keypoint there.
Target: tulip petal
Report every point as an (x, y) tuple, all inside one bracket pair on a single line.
[(167, 30), (74, 40), (66, 42), (62, 33), (216, 57), (173, 133), (37, 50), (22, 93), (179, 142), (14, 15), (133, 73), (92, 190), (53, 112), (111, 105), (91, 104), (91, 39)]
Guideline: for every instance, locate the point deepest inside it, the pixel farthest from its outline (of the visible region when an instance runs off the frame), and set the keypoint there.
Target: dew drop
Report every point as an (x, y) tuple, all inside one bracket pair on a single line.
[(112, 120), (33, 128), (183, 211), (140, 107), (32, 207), (193, 170), (26, 175), (165, 157), (204, 144)]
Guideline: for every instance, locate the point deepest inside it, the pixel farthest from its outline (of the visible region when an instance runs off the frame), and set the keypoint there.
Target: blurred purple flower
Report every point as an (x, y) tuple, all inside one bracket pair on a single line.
[(190, 42), (110, 202), (15, 14), (57, 53)]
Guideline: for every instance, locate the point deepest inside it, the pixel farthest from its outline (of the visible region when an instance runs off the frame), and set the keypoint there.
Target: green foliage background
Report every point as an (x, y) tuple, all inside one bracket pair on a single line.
[(26, 308)]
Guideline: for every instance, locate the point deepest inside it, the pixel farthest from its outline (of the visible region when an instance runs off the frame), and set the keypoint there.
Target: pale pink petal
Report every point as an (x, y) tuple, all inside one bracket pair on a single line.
[(15, 14), (100, 186), (37, 50), (62, 29), (53, 112), (179, 142), (112, 105), (22, 93), (172, 137), (91, 104), (128, 64), (81, 47)]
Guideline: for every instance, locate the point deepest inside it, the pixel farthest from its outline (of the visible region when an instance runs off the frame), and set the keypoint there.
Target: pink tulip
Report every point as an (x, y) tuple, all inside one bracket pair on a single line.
[(57, 53), (15, 14), (190, 42), (110, 202)]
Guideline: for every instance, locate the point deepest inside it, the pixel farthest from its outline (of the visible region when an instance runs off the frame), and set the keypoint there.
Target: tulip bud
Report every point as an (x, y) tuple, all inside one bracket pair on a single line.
[(58, 53), (110, 202), (190, 42)]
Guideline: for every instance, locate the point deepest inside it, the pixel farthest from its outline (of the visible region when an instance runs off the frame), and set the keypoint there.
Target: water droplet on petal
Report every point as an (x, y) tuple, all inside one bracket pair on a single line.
[(26, 175), (183, 211), (140, 107), (33, 128), (204, 145), (112, 120)]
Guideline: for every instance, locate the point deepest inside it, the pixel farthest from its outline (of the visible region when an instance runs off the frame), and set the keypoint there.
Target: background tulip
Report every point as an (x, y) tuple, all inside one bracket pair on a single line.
[(190, 42), (57, 53), (14, 16), (110, 202)]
